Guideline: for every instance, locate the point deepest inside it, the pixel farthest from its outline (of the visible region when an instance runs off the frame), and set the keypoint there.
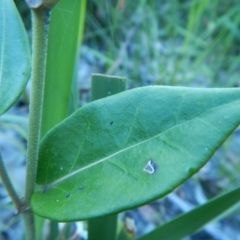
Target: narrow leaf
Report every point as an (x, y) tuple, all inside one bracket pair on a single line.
[(103, 86), (63, 45), (194, 220), (14, 55), (130, 149)]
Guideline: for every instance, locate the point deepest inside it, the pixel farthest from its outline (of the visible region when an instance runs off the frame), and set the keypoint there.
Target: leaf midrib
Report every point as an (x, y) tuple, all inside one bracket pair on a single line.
[(132, 146)]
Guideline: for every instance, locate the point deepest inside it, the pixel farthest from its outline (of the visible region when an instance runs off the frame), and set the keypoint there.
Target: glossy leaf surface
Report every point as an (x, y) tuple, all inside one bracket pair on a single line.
[(131, 148), (14, 55)]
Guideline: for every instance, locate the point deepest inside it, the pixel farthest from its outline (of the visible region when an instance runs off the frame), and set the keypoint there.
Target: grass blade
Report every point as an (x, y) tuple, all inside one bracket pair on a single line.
[(190, 222)]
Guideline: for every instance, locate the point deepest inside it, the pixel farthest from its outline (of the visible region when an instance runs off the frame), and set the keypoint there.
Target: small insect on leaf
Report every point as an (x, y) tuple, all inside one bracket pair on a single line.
[(150, 167)]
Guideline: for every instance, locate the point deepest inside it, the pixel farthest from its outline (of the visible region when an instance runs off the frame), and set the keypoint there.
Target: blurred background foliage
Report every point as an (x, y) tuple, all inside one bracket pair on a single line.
[(191, 42), (177, 42)]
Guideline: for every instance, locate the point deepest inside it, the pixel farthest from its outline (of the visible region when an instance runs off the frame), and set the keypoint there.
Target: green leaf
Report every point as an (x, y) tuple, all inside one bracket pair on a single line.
[(14, 55), (131, 148), (66, 26), (194, 220), (103, 86)]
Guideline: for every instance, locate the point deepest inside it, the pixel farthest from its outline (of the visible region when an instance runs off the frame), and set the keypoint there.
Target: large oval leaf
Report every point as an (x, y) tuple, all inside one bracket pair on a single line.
[(129, 149), (14, 55)]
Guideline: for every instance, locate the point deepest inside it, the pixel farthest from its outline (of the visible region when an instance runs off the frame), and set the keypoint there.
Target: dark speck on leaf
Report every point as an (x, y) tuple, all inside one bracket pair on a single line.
[(45, 188), (81, 188), (68, 195), (111, 123)]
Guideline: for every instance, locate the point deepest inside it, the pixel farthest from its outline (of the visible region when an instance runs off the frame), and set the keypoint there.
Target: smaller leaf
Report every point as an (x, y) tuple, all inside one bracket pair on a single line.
[(64, 23), (194, 220), (14, 55)]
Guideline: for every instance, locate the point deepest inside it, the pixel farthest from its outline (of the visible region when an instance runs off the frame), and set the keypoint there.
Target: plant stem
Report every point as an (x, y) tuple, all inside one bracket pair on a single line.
[(35, 111), (103, 86), (102, 228), (8, 185)]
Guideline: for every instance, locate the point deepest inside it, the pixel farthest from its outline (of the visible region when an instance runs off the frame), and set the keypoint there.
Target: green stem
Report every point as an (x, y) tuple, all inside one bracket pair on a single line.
[(102, 228), (103, 86), (36, 99), (8, 185)]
